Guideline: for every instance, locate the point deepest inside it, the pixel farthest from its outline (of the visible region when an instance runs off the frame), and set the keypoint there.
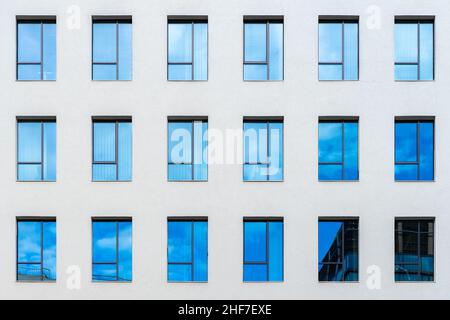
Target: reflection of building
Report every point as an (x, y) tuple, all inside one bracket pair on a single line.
[(340, 263)]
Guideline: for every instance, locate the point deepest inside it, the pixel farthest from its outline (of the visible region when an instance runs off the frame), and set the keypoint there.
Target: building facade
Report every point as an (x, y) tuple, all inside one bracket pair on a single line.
[(340, 194)]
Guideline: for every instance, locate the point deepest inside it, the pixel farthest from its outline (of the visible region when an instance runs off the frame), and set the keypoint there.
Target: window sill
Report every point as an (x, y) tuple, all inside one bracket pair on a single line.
[(19, 181), (186, 282), (263, 180), (420, 181), (338, 180)]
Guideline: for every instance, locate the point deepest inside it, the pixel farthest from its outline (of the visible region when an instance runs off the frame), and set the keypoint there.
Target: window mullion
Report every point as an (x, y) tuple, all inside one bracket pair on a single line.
[(342, 52), (192, 52), (418, 50)]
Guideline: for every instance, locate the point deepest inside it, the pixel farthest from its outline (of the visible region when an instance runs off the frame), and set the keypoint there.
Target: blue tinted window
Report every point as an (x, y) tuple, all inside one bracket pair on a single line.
[(112, 250), (187, 50), (414, 150), (112, 50), (338, 50), (112, 151), (187, 250), (263, 150), (188, 150), (36, 50), (338, 150), (414, 250), (36, 250), (263, 50), (414, 50), (263, 250), (338, 250), (36, 150)]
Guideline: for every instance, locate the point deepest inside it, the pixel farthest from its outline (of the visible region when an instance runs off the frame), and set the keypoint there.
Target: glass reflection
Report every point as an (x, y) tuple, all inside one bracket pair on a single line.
[(187, 251), (111, 250), (338, 250), (36, 250)]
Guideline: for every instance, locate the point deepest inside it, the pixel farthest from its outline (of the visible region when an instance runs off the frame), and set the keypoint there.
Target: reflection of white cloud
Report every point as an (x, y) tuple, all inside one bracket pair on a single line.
[(106, 243)]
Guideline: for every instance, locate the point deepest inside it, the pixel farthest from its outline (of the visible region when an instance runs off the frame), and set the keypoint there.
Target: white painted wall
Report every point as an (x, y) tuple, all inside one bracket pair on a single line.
[(376, 98)]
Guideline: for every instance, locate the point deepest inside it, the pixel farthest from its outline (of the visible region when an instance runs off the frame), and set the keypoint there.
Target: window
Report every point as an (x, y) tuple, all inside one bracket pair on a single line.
[(36, 149), (112, 143), (263, 48), (414, 48), (338, 148), (263, 149), (188, 149), (187, 48), (414, 149), (338, 48), (36, 48), (111, 249), (187, 249), (36, 249), (414, 249), (263, 249), (111, 48), (338, 249)]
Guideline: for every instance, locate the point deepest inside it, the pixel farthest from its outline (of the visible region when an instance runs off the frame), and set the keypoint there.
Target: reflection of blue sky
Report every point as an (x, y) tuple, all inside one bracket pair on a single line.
[(330, 142), (29, 42), (330, 42), (104, 42), (255, 241), (180, 42), (328, 230), (255, 42)]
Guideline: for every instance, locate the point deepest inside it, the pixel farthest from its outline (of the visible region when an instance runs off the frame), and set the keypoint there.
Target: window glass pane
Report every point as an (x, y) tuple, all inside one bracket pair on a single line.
[(29, 72), (180, 72), (330, 42), (180, 42), (351, 151), (406, 42), (255, 272), (104, 42), (200, 251), (104, 272), (49, 51), (200, 150), (255, 72), (330, 142), (406, 141), (276, 51), (200, 51), (351, 267), (350, 51), (104, 141), (330, 241), (104, 242), (29, 241), (275, 251), (330, 172), (330, 272), (179, 241), (29, 145), (125, 251), (255, 242), (125, 150), (426, 51), (406, 172), (426, 151), (255, 172), (179, 272), (180, 172), (330, 72), (255, 142), (255, 42), (275, 169), (49, 266), (104, 172), (29, 42), (406, 72), (29, 271), (29, 172), (104, 72), (180, 142), (125, 51), (49, 151)]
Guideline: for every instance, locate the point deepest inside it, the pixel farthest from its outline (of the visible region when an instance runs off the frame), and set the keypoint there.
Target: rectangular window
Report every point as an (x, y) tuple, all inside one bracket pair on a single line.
[(414, 48), (263, 249), (338, 249), (36, 48), (112, 249), (338, 48), (414, 149), (263, 149), (187, 48), (338, 148), (263, 48), (187, 249), (36, 149), (112, 149), (36, 249), (111, 48), (187, 148), (414, 249)]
